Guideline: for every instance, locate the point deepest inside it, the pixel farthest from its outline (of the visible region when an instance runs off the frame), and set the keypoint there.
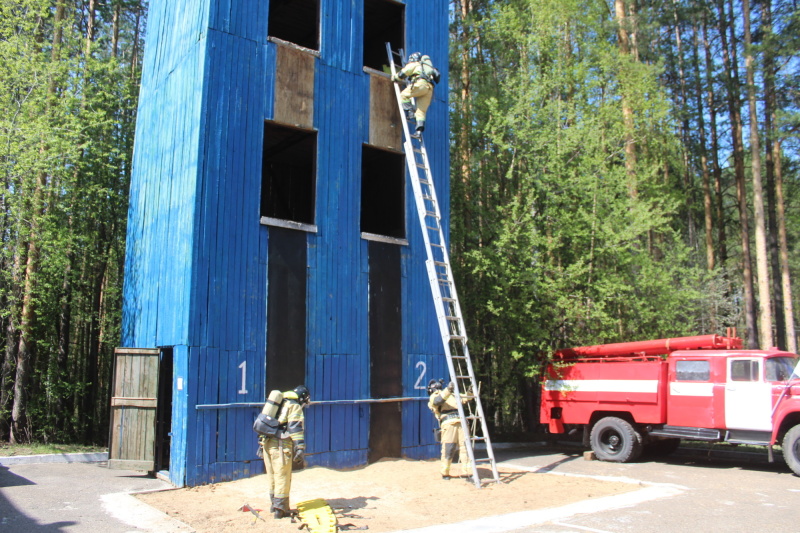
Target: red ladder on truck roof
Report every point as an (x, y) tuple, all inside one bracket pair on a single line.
[(655, 347)]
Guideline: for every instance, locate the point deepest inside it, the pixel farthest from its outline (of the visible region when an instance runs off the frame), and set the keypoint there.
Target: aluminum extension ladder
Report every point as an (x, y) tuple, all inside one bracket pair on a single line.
[(443, 288)]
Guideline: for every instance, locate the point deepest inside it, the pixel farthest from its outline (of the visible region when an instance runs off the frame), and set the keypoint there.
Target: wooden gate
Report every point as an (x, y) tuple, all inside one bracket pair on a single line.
[(133, 409)]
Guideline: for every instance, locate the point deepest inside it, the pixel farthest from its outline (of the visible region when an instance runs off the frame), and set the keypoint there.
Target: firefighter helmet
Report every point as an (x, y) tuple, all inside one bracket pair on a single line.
[(303, 396), (434, 385), (413, 58)]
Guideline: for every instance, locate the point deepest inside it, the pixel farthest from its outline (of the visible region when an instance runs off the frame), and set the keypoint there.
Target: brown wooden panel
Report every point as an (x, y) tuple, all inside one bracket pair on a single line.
[(294, 87), (134, 402), (385, 128), (133, 409)]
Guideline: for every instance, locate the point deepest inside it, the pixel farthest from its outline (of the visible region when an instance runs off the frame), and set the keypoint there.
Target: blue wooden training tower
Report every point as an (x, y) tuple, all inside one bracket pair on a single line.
[(272, 238)]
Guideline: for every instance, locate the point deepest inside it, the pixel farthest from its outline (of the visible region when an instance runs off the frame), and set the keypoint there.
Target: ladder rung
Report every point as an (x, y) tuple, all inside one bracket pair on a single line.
[(458, 357), (446, 299), (477, 438), (433, 228), (440, 263), (452, 318), (457, 338)]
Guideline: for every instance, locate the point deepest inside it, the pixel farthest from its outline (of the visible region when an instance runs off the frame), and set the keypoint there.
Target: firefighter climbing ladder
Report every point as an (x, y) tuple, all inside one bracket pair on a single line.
[(445, 299)]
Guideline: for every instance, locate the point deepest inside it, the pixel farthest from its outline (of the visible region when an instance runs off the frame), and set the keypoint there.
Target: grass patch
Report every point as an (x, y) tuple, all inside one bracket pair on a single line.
[(11, 450)]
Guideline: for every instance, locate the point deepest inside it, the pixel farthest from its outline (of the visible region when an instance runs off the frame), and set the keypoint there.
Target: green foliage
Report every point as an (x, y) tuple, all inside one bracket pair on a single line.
[(556, 242), (66, 130)]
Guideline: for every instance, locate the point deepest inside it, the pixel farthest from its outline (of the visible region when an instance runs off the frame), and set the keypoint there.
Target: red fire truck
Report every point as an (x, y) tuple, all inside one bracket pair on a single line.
[(646, 396)]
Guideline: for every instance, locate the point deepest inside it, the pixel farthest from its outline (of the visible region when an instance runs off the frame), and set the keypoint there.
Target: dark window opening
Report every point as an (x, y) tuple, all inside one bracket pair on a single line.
[(296, 21), (286, 309), (383, 22), (288, 173), (383, 193)]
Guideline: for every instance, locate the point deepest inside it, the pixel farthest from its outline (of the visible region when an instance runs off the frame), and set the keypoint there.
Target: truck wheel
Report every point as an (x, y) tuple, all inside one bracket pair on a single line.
[(791, 449), (614, 439)]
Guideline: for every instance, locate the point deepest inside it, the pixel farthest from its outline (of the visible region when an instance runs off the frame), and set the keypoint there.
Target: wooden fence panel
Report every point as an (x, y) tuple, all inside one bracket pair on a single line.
[(133, 409)]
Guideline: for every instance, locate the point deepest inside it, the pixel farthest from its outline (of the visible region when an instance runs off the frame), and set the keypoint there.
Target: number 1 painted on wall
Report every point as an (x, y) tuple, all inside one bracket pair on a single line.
[(243, 366)]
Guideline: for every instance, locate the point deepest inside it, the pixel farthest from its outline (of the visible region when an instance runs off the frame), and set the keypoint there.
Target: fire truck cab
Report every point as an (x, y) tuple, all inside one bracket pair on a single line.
[(648, 395)]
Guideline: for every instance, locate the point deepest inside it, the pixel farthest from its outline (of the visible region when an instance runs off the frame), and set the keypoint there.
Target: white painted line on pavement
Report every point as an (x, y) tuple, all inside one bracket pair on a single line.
[(582, 528)]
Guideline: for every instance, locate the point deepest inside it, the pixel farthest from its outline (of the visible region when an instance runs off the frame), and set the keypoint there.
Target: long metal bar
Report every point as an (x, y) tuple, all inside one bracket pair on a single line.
[(243, 405)]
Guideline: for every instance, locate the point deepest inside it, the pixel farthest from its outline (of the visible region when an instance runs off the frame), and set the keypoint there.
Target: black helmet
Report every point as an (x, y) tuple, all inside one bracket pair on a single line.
[(303, 396), (413, 58), (434, 385)]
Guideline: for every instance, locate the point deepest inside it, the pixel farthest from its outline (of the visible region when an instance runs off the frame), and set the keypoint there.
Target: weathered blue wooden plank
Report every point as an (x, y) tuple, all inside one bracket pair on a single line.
[(222, 393), (342, 26), (182, 418), (211, 372), (255, 291), (230, 217)]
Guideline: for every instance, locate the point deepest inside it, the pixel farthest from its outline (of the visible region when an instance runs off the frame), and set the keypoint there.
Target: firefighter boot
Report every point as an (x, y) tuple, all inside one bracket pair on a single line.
[(408, 109), (420, 127)]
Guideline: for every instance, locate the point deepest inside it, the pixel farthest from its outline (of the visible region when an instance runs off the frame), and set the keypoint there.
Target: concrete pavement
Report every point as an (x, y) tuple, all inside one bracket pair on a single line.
[(694, 490), (78, 497)]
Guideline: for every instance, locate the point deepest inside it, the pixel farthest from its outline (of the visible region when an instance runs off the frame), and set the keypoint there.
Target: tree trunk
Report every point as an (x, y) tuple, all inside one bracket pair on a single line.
[(685, 137), (703, 148), (762, 263), (90, 27), (732, 83), (782, 287), (623, 24), (115, 29), (715, 167), (791, 339)]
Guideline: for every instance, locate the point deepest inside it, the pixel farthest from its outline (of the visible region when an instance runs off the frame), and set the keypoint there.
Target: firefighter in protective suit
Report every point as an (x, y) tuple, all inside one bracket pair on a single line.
[(443, 404), (287, 447), (418, 71)]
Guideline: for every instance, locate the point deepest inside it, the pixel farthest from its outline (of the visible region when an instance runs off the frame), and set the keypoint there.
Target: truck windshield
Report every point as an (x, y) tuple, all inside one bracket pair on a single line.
[(781, 368)]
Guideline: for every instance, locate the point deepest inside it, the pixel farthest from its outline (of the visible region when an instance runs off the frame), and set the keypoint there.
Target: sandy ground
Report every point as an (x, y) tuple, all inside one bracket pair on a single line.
[(389, 495)]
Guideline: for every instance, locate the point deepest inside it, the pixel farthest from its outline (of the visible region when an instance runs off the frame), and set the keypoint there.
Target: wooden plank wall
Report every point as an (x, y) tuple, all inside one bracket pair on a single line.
[(426, 32), (162, 198), (227, 355), (196, 269)]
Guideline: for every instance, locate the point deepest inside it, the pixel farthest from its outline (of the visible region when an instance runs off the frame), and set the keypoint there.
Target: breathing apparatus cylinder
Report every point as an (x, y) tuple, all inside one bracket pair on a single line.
[(272, 404)]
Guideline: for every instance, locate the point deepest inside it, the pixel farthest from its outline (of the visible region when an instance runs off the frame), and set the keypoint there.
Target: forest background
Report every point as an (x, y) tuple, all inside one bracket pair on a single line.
[(620, 170)]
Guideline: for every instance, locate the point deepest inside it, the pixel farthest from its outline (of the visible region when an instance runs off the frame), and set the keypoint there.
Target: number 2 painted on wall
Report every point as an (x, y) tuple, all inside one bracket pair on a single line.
[(243, 366), (420, 385)]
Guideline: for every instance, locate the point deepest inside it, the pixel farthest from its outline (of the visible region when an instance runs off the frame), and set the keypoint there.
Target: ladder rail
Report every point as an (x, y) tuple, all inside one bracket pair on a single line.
[(448, 308)]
